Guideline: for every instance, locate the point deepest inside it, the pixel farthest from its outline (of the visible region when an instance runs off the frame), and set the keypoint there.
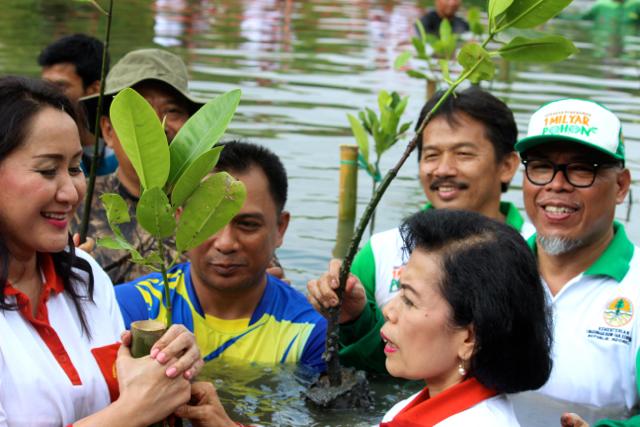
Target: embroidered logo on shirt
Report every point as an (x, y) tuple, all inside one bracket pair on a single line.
[(395, 279), (619, 312)]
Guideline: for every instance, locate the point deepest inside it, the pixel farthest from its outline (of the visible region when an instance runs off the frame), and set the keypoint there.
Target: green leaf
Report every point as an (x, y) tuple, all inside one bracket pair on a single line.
[(420, 47), (211, 207), (395, 99), (373, 119), (155, 214), (525, 14), (401, 106), (116, 207), (439, 47), (142, 137), (545, 49), (496, 7), (380, 142), (384, 100), (404, 127), (153, 258), (445, 30), (476, 63), (423, 33), (118, 242), (201, 132), (444, 65), (478, 29), (432, 40), (361, 136), (416, 74), (402, 59), (473, 14), (511, 33), (189, 181)]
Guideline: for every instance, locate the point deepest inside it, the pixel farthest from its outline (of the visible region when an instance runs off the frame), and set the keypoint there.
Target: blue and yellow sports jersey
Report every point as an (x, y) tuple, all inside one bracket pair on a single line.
[(284, 327)]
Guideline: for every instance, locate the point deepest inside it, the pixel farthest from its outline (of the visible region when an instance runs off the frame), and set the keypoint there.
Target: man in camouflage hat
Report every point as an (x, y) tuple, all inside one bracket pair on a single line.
[(161, 78)]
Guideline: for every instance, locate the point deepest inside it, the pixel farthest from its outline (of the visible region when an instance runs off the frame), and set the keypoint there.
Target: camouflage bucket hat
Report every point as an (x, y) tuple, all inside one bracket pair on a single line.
[(140, 65)]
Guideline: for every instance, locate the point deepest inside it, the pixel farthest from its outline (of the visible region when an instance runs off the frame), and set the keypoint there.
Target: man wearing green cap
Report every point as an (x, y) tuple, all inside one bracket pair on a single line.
[(161, 78), (574, 179)]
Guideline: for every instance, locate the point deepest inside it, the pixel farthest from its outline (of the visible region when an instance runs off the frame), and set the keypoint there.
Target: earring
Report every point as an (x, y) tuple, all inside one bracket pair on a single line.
[(462, 369)]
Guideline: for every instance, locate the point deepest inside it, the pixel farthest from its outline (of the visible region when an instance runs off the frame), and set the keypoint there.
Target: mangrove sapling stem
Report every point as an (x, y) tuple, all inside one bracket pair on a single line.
[(167, 291), (84, 225), (373, 215), (333, 328)]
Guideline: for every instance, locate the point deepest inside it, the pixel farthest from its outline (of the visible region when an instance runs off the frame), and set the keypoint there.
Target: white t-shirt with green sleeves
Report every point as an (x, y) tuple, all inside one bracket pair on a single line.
[(596, 330), (379, 263)]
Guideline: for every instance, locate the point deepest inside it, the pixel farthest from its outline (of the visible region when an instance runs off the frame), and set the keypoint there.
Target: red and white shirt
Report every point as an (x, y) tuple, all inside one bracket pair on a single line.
[(51, 373)]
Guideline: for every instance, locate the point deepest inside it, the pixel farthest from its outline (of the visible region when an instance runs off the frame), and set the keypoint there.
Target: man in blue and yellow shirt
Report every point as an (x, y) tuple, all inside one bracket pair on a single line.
[(238, 312)]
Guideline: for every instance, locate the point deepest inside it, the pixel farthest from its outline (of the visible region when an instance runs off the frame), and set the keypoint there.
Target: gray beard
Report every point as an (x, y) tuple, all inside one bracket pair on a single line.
[(555, 245)]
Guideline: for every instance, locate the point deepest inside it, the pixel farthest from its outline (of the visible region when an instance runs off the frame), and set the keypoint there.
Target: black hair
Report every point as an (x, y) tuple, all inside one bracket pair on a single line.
[(240, 156), (499, 125), (21, 99), (81, 50), (491, 281)]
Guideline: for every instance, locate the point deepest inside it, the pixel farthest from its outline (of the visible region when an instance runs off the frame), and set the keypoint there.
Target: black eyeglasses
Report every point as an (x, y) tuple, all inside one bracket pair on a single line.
[(578, 174)]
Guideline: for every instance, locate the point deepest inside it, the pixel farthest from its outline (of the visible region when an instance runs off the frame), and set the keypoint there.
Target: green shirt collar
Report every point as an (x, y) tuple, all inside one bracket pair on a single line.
[(508, 209), (614, 261)]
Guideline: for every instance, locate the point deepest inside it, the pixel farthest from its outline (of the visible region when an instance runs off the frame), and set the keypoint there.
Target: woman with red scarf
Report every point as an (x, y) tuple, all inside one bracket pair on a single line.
[(471, 320)]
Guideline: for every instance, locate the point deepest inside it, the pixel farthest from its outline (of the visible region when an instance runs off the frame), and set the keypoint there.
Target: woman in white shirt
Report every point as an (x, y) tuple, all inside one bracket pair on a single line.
[(60, 325), (471, 320)]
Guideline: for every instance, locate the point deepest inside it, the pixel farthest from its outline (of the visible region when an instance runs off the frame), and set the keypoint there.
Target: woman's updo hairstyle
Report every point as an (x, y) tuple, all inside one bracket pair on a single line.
[(491, 281), (21, 99)]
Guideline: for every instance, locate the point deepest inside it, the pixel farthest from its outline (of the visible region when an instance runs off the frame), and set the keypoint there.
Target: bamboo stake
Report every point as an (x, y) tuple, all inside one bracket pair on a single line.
[(348, 181), (84, 226)]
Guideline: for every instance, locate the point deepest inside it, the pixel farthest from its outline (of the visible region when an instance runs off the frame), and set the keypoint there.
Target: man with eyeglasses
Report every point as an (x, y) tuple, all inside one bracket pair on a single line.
[(574, 178)]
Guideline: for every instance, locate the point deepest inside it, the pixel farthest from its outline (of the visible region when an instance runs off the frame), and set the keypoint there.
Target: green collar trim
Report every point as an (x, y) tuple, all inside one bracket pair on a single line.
[(508, 209), (614, 261)]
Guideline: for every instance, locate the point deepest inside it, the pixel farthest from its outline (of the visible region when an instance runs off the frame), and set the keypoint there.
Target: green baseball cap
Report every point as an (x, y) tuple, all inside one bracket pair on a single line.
[(140, 65), (577, 120)]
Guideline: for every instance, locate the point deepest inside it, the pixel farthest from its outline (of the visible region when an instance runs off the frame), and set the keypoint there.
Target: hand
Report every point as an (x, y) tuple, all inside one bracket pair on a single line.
[(204, 409), (87, 246), (146, 391), (322, 295), (572, 420), (276, 271), (178, 345)]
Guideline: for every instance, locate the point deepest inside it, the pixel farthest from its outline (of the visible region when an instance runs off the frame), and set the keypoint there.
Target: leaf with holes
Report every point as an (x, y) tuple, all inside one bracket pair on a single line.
[(116, 207), (211, 207), (195, 173), (545, 49), (155, 214), (142, 137), (201, 132), (525, 14), (476, 63)]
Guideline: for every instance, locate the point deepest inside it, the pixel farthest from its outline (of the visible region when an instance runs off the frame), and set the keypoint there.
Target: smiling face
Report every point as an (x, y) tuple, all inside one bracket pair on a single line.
[(578, 215), (236, 257), (421, 343), (42, 185), (458, 168)]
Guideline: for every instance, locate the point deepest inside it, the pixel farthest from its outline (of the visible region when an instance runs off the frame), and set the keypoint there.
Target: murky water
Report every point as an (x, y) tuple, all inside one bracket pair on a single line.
[(302, 65)]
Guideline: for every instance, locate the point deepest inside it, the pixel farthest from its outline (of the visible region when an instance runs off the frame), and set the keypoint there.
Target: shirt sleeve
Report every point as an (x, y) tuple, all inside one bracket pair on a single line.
[(364, 268), (314, 347), (362, 345), (132, 304)]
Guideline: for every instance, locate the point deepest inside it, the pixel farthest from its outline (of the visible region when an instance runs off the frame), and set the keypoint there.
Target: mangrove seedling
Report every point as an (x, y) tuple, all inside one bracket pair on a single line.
[(515, 15), (172, 175), (384, 131)]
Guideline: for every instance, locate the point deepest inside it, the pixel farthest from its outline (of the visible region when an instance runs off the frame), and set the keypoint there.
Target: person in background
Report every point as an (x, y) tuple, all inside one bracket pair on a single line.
[(575, 176), (610, 13), (466, 161), (239, 313), (471, 320), (74, 63), (444, 9), (60, 325)]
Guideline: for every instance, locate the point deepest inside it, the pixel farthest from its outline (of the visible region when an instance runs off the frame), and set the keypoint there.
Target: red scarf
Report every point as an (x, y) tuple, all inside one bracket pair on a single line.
[(426, 412)]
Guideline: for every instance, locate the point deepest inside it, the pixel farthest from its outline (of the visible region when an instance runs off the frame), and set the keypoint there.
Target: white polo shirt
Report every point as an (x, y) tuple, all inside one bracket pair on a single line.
[(51, 373), (596, 329), (497, 411)]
